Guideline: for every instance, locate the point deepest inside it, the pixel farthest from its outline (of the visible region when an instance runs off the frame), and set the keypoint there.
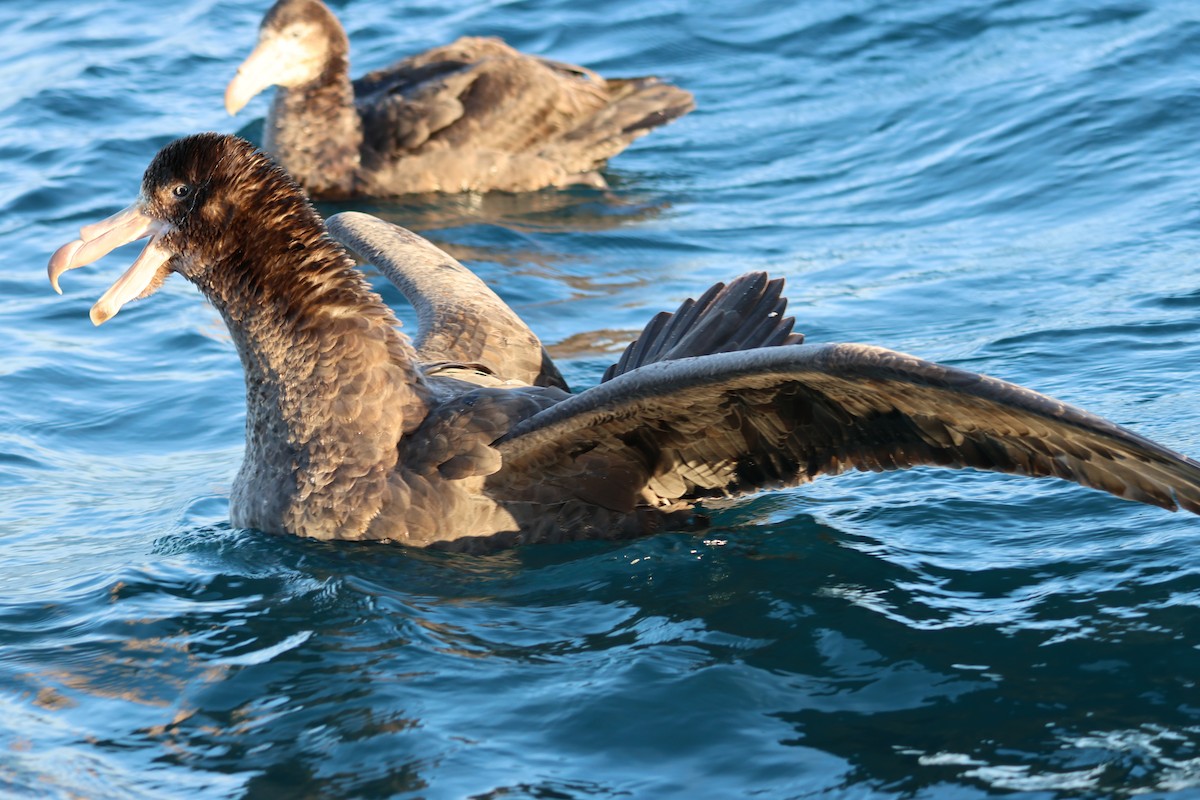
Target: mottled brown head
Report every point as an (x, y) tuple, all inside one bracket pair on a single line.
[(219, 212), (220, 195)]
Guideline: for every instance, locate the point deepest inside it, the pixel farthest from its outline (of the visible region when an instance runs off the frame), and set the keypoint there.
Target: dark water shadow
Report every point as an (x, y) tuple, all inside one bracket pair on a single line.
[(285, 637), (861, 655)]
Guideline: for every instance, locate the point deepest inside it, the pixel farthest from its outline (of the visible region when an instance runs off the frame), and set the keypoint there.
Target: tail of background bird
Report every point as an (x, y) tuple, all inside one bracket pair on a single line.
[(638, 106)]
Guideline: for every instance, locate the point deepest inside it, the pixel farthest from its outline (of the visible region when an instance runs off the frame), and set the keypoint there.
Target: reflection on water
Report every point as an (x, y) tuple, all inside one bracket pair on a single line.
[(546, 211), (515, 227)]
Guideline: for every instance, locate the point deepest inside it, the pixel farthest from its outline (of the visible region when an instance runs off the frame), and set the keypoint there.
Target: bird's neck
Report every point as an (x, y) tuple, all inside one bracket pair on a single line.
[(316, 133), (331, 388)]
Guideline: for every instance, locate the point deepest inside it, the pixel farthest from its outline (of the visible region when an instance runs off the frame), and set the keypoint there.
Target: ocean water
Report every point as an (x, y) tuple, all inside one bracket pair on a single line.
[(1008, 186)]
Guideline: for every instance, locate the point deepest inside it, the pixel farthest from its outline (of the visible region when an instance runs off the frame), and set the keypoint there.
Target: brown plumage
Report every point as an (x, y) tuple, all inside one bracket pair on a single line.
[(472, 116), (468, 438)]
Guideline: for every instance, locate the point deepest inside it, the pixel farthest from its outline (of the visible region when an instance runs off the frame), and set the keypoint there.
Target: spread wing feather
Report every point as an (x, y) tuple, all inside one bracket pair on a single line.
[(747, 313), (736, 422)]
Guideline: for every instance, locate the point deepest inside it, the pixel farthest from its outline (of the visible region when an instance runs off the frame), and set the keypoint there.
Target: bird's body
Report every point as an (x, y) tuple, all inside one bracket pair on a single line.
[(472, 116), (469, 439)]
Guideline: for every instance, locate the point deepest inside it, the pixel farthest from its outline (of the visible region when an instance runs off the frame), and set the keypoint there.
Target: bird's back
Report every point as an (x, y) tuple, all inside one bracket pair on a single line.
[(476, 115)]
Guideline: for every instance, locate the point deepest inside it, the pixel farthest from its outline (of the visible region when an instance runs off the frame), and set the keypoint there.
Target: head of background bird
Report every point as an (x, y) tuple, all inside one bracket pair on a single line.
[(299, 41)]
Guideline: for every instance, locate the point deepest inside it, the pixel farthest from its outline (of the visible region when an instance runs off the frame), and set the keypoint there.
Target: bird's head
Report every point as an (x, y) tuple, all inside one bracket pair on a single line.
[(202, 196), (297, 42)]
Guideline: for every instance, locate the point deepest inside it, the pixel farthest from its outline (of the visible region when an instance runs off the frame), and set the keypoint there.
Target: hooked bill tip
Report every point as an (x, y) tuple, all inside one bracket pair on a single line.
[(236, 95), (62, 260)]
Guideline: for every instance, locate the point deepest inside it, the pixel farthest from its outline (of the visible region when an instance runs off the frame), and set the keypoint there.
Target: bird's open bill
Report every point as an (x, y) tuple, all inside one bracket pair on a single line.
[(100, 239)]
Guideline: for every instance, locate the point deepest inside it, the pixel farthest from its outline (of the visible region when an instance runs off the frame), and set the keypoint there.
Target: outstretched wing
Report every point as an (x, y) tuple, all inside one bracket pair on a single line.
[(459, 319), (736, 422)]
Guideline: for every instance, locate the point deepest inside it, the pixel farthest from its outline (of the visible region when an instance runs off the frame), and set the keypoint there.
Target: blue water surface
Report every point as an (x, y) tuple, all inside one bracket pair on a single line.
[(1009, 186)]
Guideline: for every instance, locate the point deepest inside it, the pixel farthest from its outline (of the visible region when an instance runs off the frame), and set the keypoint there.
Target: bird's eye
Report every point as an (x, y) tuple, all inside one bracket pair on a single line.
[(182, 190)]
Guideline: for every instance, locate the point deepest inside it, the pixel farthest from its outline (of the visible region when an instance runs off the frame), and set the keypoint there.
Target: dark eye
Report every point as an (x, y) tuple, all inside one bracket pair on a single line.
[(182, 190)]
